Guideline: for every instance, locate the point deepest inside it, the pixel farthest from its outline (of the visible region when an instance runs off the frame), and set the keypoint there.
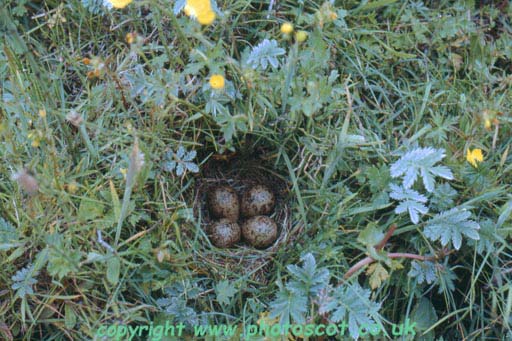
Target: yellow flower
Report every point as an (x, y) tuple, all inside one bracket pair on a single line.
[(217, 82), (72, 187), (189, 10), (286, 28), (42, 113), (123, 171), (301, 36), (35, 137), (130, 37), (120, 3), (206, 18), (201, 10), (474, 156)]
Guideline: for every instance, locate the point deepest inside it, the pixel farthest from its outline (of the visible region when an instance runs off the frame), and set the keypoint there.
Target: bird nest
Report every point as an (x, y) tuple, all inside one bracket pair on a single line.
[(241, 174)]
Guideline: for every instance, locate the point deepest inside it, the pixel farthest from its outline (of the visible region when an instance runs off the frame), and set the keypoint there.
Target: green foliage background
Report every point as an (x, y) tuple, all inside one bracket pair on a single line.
[(331, 116)]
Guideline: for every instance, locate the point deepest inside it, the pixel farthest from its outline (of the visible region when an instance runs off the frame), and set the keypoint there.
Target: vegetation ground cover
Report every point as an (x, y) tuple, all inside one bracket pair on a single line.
[(386, 125)]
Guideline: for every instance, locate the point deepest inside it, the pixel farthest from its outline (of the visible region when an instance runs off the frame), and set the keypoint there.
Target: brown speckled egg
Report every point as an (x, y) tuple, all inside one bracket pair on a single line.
[(224, 233), (258, 200), (259, 231), (223, 203)]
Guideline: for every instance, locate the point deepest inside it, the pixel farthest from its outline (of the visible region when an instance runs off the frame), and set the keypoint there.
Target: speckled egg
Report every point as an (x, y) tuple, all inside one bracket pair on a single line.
[(223, 203), (224, 233), (257, 200), (259, 231)]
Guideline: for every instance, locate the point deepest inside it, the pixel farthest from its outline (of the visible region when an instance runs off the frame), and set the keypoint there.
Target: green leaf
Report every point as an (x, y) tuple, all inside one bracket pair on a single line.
[(420, 162), (450, 226), (89, 209), (424, 314), (62, 263), (9, 236), (69, 317), (370, 236), (353, 302), (225, 291), (62, 259), (113, 270), (23, 281), (307, 279), (265, 54), (423, 272), (95, 257), (488, 237), (505, 212), (289, 304)]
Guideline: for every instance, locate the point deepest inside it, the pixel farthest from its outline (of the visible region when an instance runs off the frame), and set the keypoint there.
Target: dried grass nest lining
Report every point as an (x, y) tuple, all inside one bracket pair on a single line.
[(241, 175), (242, 258)]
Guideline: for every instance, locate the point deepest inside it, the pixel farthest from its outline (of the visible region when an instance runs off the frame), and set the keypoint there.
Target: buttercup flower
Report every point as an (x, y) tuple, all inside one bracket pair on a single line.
[(130, 37), (301, 36), (286, 28), (474, 156), (487, 123), (201, 10), (206, 18), (217, 82), (119, 3)]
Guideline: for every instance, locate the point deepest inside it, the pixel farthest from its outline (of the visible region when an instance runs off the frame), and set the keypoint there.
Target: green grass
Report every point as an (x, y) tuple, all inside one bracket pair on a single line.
[(382, 78)]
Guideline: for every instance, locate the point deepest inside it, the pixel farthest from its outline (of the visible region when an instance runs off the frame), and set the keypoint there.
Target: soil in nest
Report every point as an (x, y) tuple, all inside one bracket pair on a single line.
[(241, 174)]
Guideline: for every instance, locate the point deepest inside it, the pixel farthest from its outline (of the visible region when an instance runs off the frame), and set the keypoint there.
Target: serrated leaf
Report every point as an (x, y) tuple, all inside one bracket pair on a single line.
[(289, 306), (446, 278), (9, 236), (307, 279), (420, 162), (377, 274), (180, 152), (190, 155), (370, 236), (192, 167), (488, 237), (353, 302), (423, 272), (23, 281), (443, 196), (265, 53), (225, 291), (450, 226), (180, 169), (169, 166), (412, 202)]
